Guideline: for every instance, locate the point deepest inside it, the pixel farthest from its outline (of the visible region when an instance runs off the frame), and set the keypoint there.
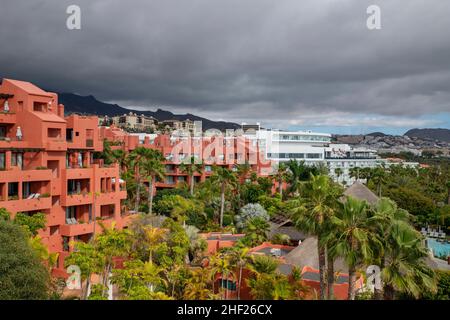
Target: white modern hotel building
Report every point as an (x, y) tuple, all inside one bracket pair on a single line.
[(313, 148)]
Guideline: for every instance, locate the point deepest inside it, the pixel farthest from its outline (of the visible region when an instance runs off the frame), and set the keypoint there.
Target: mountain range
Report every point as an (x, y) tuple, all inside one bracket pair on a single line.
[(434, 134), (74, 103)]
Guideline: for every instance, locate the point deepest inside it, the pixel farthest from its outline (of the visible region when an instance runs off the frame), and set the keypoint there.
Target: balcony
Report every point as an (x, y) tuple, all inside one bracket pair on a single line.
[(77, 199), (56, 145), (13, 143), (79, 173), (25, 175), (8, 117), (110, 197), (71, 230), (21, 205)]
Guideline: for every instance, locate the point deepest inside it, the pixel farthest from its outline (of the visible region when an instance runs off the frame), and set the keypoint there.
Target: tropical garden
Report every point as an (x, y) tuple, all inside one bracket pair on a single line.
[(161, 255)]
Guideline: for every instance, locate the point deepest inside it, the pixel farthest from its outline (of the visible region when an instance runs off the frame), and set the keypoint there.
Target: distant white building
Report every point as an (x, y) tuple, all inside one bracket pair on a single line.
[(314, 148)]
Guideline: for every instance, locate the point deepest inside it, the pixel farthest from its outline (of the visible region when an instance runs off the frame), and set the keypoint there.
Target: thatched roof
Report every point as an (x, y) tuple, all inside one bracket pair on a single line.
[(306, 254), (361, 192)]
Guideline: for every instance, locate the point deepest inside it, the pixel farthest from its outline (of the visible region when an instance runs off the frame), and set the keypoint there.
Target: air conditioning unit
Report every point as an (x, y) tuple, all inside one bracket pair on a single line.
[(276, 252)]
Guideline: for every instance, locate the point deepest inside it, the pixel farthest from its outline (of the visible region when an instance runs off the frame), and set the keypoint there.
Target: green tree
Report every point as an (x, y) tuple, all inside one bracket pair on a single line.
[(256, 231), (223, 178), (190, 168), (136, 160), (281, 175), (31, 223), (313, 215), (88, 259), (153, 168), (353, 238), (23, 276)]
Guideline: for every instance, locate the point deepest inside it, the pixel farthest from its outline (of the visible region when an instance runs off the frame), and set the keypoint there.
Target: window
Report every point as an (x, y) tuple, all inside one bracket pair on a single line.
[(71, 212), (2, 132), (228, 284), (54, 133), (54, 230), (2, 161), (13, 190), (37, 106), (169, 180), (69, 135), (65, 241), (17, 159), (26, 190)]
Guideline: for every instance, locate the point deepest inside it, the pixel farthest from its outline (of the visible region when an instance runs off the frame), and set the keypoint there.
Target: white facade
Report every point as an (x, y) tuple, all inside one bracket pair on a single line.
[(314, 148)]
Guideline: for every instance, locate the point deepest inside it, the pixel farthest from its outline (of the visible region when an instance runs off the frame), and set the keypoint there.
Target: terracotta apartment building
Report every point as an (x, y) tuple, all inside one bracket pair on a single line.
[(46, 163)]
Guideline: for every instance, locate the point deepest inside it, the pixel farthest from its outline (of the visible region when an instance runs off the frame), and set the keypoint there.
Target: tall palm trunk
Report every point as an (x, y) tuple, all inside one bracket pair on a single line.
[(138, 194), (150, 195), (378, 293), (280, 187), (322, 271), (330, 277), (86, 289), (222, 203), (448, 196), (240, 281), (191, 186), (351, 283)]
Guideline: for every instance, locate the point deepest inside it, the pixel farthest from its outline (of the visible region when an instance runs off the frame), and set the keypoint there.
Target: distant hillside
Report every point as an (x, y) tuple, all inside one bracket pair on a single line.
[(434, 134), (376, 134), (74, 103)]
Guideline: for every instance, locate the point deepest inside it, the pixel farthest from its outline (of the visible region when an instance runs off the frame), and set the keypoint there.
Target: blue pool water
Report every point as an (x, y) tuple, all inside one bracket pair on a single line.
[(439, 248)]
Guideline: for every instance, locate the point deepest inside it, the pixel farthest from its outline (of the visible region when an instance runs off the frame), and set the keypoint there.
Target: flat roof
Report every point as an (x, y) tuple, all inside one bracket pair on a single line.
[(314, 276), (267, 250)]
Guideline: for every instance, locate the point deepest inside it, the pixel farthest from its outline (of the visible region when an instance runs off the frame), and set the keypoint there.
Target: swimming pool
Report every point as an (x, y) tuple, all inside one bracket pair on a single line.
[(439, 249)]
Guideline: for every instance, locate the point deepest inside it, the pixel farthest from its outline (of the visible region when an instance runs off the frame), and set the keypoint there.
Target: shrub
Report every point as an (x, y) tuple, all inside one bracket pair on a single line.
[(249, 212)]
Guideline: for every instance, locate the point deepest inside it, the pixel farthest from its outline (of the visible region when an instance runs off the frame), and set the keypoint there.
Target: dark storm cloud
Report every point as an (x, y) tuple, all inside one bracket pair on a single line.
[(235, 59)]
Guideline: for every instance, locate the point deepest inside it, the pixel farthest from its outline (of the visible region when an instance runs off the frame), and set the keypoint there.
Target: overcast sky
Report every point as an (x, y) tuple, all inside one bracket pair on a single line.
[(310, 64)]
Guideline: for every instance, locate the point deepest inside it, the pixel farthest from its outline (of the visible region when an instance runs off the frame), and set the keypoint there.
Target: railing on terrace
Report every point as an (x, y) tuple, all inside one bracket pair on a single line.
[(352, 158)]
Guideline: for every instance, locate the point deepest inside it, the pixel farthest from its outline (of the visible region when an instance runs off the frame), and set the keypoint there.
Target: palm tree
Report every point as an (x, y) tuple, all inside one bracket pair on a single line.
[(281, 175), (338, 172), (353, 242), (448, 192), (221, 265), (136, 159), (379, 177), (153, 168), (153, 237), (243, 170), (239, 257), (405, 269), (313, 215), (197, 287), (298, 172), (190, 168), (354, 173), (223, 178), (120, 156), (400, 252), (256, 231)]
